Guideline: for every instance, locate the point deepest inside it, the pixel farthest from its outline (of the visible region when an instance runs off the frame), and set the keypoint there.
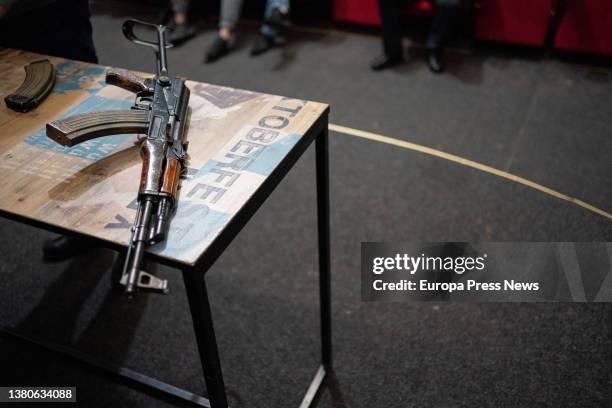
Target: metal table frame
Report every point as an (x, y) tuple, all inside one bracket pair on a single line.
[(195, 286)]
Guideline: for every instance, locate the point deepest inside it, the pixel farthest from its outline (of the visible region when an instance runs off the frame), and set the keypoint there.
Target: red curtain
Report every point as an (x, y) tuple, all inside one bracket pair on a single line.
[(586, 26), (366, 11), (513, 21)]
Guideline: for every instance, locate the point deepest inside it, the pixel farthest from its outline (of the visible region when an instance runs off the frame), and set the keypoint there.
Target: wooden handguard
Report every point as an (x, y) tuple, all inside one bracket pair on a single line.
[(79, 128), (128, 81), (145, 155), (39, 80), (171, 177)]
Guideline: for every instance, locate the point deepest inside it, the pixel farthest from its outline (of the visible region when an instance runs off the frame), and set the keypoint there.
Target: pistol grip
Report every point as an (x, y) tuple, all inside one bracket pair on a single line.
[(129, 81), (79, 128)]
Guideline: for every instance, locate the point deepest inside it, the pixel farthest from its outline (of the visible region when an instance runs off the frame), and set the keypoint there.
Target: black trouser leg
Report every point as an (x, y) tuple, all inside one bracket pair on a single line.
[(391, 27), (443, 18), (201, 315)]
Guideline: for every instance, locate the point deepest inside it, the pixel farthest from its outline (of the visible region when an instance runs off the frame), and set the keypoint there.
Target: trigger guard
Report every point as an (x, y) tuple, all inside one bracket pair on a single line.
[(144, 102)]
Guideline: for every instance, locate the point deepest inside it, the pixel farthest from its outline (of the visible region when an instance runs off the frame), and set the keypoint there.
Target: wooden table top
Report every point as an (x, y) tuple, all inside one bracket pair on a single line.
[(91, 188)]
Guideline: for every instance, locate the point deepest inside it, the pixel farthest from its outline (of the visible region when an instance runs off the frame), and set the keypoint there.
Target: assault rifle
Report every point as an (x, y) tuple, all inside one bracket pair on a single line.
[(159, 111)]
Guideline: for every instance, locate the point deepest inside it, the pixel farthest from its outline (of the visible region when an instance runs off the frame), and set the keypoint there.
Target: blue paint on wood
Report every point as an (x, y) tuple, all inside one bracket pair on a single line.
[(192, 223), (267, 160), (72, 76)]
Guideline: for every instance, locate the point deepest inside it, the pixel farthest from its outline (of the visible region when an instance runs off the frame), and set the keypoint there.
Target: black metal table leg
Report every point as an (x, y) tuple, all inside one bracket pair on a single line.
[(201, 315), (322, 165)]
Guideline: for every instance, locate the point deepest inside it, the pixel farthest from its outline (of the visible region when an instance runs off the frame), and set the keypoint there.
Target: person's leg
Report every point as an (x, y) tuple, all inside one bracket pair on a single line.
[(275, 14), (179, 8), (230, 13), (391, 30), (182, 29), (443, 18), (275, 17), (445, 12)]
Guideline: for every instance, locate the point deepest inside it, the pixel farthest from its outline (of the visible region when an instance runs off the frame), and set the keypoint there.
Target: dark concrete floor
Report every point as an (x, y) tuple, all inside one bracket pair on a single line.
[(537, 118)]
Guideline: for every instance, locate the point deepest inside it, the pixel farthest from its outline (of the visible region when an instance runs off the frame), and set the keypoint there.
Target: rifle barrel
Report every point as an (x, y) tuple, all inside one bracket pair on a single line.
[(138, 242)]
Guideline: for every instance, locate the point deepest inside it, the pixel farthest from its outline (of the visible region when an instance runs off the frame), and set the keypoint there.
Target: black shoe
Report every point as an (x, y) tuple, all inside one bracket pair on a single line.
[(265, 42), (435, 61), (64, 247), (217, 49), (384, 62), (181, 33)]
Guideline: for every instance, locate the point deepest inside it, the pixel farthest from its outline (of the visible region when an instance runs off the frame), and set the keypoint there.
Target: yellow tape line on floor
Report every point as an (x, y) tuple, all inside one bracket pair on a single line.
[(465, 162)]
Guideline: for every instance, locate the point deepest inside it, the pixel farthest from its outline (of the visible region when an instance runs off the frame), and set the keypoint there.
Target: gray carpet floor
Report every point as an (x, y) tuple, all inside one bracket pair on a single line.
[(538, 118)]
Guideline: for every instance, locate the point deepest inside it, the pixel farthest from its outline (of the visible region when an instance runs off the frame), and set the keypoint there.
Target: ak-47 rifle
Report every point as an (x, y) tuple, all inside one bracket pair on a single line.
[(160, 110)]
